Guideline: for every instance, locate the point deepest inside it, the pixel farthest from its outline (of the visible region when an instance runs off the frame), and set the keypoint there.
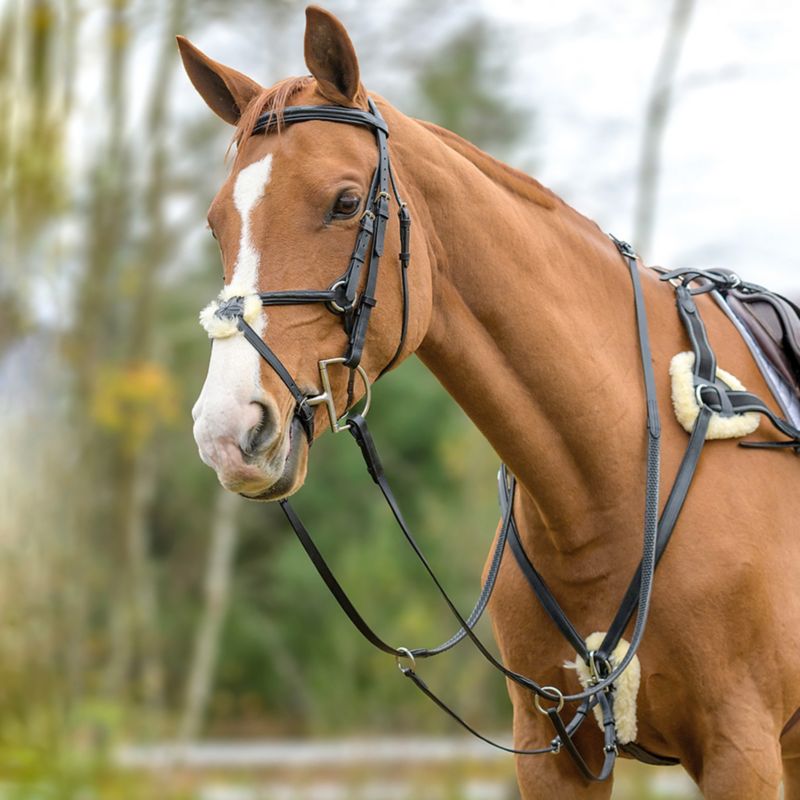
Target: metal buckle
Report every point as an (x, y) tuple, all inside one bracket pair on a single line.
[(557, 696), (623, 247), (326, 396), (597, 668)]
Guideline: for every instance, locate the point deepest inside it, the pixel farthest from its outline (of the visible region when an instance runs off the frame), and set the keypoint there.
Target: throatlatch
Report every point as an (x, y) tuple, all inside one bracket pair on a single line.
[(352, 297)]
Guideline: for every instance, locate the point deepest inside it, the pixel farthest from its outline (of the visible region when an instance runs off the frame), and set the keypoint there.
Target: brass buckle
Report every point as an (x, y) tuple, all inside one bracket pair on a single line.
[(326, 396)]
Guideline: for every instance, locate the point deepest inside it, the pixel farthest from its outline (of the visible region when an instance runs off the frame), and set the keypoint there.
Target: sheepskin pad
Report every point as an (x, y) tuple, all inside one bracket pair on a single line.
[(626, 687), (219, 326), (684, 401)]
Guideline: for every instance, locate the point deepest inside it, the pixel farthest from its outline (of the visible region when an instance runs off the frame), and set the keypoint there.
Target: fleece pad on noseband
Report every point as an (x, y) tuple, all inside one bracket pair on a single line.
[(626, 687), (684, 401), (219, 317)]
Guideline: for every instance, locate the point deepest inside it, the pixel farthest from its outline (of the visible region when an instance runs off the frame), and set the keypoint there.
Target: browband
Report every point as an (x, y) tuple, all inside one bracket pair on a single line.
[(272, 120)]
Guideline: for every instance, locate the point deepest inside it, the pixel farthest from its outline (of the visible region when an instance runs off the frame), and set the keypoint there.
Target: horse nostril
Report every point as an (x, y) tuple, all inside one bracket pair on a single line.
[(263, 433)]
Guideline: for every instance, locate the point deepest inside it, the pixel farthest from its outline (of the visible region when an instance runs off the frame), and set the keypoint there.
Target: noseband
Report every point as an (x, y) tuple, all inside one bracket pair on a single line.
[(343, 297)]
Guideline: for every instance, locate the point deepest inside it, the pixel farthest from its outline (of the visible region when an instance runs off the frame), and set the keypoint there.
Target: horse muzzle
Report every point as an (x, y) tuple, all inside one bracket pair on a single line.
[(254, 455)]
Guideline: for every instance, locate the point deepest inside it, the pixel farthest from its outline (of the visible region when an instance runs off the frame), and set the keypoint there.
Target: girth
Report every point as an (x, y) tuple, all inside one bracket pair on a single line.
[(352, 296)]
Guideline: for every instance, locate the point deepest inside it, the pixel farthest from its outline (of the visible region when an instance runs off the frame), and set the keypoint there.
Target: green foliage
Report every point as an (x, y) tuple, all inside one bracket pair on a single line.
[(462, 89)]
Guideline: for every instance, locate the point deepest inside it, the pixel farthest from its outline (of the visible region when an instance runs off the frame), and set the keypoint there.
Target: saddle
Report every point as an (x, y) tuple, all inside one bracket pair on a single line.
[(774, 322)]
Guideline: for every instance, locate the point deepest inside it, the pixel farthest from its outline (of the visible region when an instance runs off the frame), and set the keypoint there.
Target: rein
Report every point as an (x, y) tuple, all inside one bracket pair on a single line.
[(355, 307)]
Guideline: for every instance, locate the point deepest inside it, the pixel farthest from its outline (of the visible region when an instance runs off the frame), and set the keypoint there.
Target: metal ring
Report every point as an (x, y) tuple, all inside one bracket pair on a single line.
[(326, 396), (405, 653), (698, 393), (551, 690), (333, 305)]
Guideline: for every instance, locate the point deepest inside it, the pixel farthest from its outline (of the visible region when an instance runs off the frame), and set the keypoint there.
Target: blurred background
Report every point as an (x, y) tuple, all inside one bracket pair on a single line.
[(162, 639)]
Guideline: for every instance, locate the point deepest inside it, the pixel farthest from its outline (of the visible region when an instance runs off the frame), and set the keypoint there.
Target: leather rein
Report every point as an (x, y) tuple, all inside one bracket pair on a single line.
[(352, 297)]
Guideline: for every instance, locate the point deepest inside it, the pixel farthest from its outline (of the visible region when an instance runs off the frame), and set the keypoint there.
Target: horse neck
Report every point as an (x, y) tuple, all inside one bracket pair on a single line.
[(532, 332)]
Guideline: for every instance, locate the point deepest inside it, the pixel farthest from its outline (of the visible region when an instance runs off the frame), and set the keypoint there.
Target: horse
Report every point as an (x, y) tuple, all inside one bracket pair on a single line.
[(522, 309)]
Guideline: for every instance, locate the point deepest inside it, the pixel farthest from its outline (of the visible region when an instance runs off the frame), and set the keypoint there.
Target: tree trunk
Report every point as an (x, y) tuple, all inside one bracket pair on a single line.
[(658, 107), (219, 574)]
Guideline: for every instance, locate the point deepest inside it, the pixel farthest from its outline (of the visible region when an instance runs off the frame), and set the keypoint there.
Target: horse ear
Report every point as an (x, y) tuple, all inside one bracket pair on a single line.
[(226, 91), (331, 57)]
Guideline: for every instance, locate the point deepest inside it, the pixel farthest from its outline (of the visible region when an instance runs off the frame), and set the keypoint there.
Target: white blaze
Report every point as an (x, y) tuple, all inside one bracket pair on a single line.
[(247, 191), (233, 381)]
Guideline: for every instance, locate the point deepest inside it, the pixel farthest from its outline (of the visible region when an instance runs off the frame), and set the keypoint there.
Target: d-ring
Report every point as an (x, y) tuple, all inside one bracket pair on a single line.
[(333, 305), (556, 695), (326, 397), (404, 654)]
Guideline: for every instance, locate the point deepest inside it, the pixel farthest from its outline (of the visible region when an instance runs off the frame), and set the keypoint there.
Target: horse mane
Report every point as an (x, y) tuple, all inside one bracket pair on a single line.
[(272, 100), (514, 180)]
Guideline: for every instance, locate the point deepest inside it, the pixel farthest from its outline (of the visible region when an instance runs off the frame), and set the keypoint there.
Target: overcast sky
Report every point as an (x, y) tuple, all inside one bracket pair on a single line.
[(729, 193), (731, 170)]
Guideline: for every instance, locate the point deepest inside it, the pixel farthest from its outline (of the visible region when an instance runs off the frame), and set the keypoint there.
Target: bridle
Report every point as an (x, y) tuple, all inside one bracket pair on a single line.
[(343, 298), (354, 304)]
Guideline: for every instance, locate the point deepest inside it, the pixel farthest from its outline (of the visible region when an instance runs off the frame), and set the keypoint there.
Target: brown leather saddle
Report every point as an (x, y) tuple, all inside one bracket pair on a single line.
[(774, 322)]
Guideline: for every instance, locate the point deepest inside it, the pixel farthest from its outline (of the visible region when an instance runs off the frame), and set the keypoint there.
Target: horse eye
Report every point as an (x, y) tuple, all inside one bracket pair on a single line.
[(346, 206)]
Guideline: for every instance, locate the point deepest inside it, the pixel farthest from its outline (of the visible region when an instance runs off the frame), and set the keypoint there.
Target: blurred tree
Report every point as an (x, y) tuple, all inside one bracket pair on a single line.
[(659, 104), (219, 576), (112, 589), (461, 88)]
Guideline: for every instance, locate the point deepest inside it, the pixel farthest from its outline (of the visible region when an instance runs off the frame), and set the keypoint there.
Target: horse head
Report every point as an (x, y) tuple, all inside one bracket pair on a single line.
[(294, 217)]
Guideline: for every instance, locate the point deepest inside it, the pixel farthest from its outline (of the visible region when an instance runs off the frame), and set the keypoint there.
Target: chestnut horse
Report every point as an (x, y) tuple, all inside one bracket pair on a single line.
[(522, 308)]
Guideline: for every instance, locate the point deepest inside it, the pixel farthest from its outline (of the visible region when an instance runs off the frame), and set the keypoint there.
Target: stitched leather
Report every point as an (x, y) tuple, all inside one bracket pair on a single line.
[(774, 323)]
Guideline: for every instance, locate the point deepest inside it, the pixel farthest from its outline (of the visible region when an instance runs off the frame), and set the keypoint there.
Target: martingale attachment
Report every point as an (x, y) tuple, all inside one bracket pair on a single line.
[(221, 316), (625, 688), (687, 406)]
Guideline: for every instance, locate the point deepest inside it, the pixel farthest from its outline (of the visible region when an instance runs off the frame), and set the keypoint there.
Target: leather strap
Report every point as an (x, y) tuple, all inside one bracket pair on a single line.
[(666, 526), (298, 297), (380, 210), (609, 741), (293, 114), (545, 596), (648, 757), (302, 410), (425, 689)]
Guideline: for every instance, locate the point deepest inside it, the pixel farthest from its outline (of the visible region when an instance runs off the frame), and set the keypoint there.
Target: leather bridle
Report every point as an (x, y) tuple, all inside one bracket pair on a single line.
[(352, 296), (344, 298)]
